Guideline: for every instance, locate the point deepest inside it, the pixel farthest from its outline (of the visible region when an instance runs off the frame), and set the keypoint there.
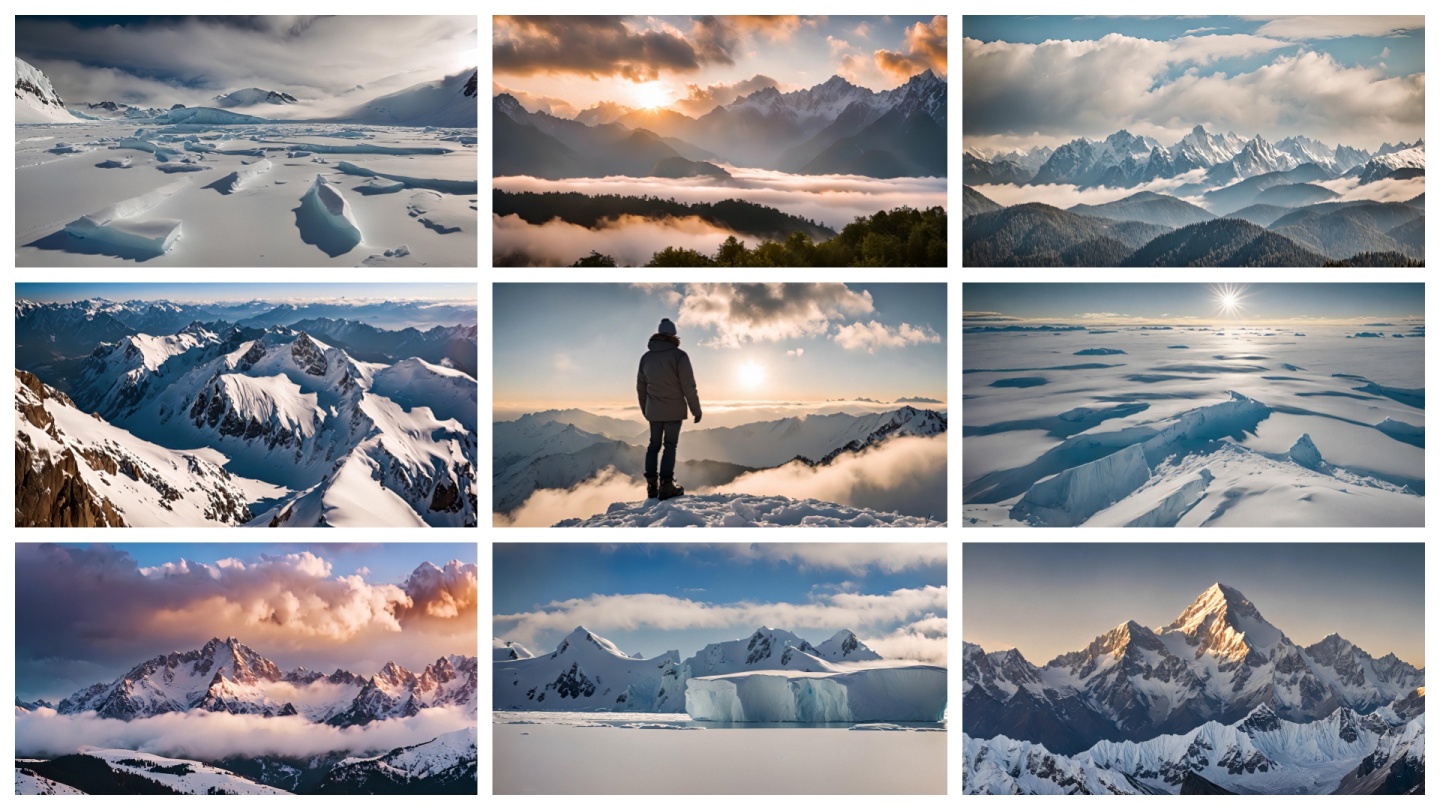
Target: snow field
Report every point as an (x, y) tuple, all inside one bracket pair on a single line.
[(791, 761)]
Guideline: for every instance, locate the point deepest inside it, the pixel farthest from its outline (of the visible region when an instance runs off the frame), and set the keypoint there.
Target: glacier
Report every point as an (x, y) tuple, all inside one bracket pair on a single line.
[(898, 694)]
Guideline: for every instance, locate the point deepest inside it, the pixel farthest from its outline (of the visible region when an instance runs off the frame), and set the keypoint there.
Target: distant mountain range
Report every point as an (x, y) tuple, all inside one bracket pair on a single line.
[(1218, 661), (1281, 225), (831, 128), (1123, 160), (450, 101), (559, 449)]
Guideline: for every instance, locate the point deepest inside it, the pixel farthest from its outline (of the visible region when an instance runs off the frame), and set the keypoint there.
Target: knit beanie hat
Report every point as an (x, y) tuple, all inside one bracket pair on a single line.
[(666, 327)]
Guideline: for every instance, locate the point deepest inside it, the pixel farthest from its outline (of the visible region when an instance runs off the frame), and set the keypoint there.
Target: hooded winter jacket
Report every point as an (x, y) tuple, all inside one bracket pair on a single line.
[(666, 382)]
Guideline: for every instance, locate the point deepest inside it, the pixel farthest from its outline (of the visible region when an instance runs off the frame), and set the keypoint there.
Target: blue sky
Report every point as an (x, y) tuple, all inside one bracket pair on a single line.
[(693, 63), (1043, 81), (1050, 598), (994, 303), (650, 598), (578, 345), (203, 292), (387, 562)]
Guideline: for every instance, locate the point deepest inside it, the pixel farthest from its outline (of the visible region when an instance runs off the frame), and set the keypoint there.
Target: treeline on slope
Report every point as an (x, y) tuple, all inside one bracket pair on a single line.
[(902, 237), (592, 210), (1038, 235)]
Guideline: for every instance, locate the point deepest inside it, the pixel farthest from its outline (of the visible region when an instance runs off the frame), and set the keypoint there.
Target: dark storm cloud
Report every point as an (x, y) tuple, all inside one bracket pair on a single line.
[(163, 60), (599, 46)]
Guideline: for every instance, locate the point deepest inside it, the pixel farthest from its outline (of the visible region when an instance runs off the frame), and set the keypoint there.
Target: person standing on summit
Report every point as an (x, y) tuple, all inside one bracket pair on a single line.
[(666, 386)]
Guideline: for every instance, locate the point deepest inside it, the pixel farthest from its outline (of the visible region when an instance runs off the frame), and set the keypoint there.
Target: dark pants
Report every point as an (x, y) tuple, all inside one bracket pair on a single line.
[(667, 433)]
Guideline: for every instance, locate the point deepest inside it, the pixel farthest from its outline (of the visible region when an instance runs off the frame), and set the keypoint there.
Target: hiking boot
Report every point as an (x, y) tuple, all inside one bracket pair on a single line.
[(652, 485), (669, 489)]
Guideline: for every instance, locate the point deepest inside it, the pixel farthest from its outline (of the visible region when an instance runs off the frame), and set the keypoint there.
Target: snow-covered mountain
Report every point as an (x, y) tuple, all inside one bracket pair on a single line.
[(355, 442), (586, 672), (817, 438), (118, 770), (1380, 166), (589, 673), (1124, 160), (1219, 660), (1343, 752), (447, 102), (112, 110), (36, 101), (226, 676), (446, 764), (76, 470), (509, 650), (251, 96)]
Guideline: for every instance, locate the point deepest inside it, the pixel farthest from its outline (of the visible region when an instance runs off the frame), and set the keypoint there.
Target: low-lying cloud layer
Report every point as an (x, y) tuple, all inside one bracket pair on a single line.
[(905, 474), (833, 200), (629, 240), (203, 735)]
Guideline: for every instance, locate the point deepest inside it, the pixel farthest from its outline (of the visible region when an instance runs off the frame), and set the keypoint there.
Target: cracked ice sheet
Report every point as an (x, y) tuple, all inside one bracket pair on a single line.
[(720, 761), (49, 194)]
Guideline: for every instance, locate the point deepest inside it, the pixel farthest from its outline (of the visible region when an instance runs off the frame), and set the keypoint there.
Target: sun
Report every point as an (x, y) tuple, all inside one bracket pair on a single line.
[(651, 95), (1229, 298), (752, 375)]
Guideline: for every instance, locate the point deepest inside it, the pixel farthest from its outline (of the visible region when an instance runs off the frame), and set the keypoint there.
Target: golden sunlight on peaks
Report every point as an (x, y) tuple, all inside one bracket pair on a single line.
[(752, 375), (650, 95)]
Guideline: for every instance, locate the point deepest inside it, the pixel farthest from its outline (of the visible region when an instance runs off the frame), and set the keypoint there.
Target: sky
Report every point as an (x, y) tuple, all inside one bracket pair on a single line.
[(692, 64), (578, 345), (1038, 81), (1050, 598), (997, 304), (88, 613), (329, 63), (190, 292), (653, 597)]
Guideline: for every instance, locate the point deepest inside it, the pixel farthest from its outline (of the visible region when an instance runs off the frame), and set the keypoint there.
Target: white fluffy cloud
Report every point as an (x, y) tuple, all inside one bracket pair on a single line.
[(199, 734), (1067, 88), (611, 612), (875, 335)]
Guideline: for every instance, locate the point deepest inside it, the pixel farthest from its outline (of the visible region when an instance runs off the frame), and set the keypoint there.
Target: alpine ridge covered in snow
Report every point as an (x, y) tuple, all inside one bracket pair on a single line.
[(291, 429), (1219, 695), (770, 676), (1196, 189), (563, 449), (224, 675)]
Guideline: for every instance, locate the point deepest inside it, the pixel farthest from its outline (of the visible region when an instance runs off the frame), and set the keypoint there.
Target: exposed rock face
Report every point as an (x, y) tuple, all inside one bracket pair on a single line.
[(49, 490)]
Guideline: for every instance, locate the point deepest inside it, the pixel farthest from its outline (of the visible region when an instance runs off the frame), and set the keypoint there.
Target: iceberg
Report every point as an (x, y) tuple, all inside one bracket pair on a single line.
[(325, 219), (893, 694), (116, 226)]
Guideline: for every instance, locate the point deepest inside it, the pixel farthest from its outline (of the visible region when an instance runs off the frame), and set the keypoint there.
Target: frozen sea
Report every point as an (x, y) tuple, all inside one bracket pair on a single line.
[(603, 753), (411, 194), (1220, 414)]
